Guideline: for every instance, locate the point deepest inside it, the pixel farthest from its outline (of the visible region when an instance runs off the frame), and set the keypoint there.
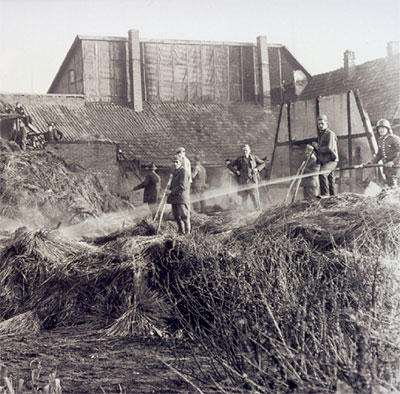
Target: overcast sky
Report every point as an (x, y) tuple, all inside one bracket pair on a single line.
[(35, 35)]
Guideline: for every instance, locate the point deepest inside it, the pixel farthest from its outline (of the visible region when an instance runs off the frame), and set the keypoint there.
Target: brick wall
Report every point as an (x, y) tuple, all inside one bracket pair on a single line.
[(97, 156)]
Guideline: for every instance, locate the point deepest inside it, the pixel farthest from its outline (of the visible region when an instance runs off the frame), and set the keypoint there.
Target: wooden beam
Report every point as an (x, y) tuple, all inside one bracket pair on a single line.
[(289, 124), (373, 145), (276, 138), (309, 140), (241, 75)]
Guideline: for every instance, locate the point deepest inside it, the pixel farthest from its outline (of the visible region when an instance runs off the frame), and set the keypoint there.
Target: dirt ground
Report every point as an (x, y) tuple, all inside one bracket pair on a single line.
[(87, 362)]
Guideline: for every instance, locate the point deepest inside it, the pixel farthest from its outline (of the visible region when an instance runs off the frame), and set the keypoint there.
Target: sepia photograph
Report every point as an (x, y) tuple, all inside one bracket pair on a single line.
[(199, 196)]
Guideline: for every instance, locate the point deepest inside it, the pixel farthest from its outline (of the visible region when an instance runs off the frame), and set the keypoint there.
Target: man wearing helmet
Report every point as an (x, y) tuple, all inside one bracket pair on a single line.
[(388, 152)]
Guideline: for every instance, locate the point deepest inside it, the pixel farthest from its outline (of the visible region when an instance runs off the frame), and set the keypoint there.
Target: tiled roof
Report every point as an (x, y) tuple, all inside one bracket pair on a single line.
[(216, 131), (378, 82)]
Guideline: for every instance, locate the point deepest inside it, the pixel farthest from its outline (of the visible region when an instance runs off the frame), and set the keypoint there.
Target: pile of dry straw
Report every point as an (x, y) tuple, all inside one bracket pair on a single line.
[(40, 187), (295, 281)]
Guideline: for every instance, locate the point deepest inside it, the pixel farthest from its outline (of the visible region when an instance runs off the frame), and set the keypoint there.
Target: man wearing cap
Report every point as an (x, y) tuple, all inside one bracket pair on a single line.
[(181, 152), (388, 152), (327, 156), (246, 167), (151, 186), (178, 195)]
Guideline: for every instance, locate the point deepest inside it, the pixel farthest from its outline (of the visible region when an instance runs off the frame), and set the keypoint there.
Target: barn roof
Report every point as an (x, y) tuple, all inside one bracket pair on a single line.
[(378, 82), (214, 130)]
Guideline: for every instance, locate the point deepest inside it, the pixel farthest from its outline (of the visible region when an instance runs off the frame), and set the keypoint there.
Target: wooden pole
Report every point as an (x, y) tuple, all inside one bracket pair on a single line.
[(289, 123), (366, 123), (349, 142), (276, 139)]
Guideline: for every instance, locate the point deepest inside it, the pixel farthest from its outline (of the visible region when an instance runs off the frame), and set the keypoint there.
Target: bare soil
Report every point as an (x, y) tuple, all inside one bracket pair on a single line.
[(88, 362)]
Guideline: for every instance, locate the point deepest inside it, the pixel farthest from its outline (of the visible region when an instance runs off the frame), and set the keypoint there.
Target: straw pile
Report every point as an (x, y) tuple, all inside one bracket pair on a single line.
[(301, 298), (43, 189), (66, 282)]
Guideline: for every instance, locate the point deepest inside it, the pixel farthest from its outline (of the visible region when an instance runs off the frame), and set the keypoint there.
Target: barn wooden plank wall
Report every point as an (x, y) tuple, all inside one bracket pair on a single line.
[(346, 116)]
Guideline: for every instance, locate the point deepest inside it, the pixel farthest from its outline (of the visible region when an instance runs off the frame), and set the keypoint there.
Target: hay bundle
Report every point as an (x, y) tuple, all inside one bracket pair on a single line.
[(146, 313), (67, 282)]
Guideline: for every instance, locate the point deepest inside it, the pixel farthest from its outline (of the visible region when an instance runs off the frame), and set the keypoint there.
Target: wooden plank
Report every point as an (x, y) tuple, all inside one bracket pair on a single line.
[(309, 140), (289, 104), (280, 73), (241, 75), (193, 42), (276, 138), (349, 140), (229, 77), (366, 123), (144, 76), (128, 75)]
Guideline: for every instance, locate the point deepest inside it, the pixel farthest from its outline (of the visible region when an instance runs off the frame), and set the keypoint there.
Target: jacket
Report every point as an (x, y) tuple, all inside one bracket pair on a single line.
[(180, 187), (327, 150), (151, 186), (245, 167), (388, 149)]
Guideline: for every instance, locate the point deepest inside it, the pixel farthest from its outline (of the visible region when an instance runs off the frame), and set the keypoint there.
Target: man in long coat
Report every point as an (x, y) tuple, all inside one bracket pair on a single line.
[(151, 186), (178, 196)]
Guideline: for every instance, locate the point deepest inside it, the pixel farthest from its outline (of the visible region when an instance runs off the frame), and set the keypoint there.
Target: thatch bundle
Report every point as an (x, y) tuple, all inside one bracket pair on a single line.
[(41, 187), (67, 282)]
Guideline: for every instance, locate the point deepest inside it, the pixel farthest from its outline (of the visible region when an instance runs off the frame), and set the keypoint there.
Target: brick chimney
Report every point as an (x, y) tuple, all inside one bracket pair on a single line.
[(135, 71), (393, 48), (349, 62)]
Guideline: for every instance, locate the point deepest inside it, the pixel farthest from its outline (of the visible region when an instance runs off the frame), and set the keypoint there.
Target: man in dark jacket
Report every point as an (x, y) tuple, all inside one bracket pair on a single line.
[(246, 167), (388, 152), (327, 156), (151, 186), (178, 196)]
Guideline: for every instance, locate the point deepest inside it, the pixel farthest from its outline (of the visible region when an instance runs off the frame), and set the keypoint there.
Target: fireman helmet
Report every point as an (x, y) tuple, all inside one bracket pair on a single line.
[(384, 123)]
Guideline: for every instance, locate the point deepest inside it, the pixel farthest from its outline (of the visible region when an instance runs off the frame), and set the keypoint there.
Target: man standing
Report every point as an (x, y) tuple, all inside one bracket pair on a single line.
[(151, 186), (388, 152), (327, 156), (178, 196), (199, 181), (246, 167), (181, 152)]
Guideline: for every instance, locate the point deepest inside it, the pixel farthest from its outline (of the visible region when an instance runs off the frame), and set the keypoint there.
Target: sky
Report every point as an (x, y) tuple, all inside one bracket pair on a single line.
[(35, 35)]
